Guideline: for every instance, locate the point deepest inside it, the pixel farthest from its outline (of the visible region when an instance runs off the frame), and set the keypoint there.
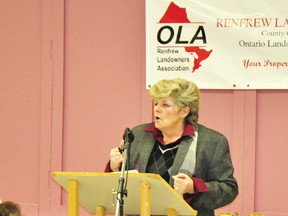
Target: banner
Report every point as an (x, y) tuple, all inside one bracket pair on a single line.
[(220, 44)]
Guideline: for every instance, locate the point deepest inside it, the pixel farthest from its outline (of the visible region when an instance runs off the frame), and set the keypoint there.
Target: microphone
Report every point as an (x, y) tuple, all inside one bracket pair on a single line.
[(128, 137)]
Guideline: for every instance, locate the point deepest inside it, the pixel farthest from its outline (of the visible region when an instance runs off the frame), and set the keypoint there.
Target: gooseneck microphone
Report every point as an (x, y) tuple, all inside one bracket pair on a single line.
[(128, 137)]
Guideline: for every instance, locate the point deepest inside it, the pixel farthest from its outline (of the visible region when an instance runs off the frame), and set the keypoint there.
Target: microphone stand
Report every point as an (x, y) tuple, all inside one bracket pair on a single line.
[(121, 190)]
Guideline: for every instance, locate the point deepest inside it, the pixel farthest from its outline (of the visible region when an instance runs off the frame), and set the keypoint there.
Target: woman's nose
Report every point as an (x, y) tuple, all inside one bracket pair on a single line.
[(157, 108)]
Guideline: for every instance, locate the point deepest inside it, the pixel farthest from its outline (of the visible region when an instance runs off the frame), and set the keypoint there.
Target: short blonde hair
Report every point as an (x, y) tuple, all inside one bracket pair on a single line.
[(186, 94)]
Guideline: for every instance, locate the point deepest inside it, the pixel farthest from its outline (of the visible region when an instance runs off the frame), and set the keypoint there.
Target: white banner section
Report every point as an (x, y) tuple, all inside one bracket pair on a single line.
[(221, 44)]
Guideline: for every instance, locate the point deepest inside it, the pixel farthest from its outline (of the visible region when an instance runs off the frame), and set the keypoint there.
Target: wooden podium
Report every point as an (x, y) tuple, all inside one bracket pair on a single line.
[(147, 194)]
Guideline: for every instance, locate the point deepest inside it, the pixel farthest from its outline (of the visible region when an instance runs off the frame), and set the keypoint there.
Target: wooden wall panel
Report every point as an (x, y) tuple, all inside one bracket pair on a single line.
[(20, 98), (271, 153)]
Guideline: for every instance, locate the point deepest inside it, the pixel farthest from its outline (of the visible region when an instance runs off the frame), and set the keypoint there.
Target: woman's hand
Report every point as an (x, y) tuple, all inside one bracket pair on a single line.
[(116, 158), (183, 184)]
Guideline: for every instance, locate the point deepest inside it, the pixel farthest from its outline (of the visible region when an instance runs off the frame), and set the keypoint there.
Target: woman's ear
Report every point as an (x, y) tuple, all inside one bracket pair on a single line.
[(185, 111)]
